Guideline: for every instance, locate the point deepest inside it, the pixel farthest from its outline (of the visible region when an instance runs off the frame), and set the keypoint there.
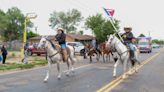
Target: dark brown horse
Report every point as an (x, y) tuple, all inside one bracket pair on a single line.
[(91, 51)]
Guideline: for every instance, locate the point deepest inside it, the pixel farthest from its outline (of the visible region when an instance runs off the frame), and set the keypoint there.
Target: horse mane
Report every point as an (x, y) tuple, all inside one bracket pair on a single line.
[(51, 43)]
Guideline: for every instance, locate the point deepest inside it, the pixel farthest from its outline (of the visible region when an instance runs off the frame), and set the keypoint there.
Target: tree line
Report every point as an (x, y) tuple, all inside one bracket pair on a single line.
[(12, 24)]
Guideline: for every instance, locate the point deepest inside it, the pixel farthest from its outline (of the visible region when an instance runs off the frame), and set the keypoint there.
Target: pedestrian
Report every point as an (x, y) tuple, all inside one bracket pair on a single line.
[(1, 57), (4, 54)]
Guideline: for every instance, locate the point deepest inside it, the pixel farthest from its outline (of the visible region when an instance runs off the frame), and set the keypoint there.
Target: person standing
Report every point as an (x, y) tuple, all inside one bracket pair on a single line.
[(4, 53)]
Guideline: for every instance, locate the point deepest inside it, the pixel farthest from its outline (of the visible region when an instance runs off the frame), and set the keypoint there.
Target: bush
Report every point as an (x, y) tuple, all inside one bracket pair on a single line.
[(10, 66), (13, 54)]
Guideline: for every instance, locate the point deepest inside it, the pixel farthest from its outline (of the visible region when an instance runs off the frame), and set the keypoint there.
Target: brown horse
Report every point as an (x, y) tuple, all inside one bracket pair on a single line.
[(105, 51), (91, 51)]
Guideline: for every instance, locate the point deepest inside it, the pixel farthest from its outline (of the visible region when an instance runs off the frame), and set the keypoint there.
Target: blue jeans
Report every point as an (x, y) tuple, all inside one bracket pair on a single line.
[(131, 46), (63, 46)]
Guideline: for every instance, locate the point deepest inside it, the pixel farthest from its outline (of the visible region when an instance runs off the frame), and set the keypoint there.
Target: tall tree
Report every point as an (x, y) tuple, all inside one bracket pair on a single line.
[(141, 35), (14, 24), (100, 26), (67, 20), (31, 34), (81, 32)]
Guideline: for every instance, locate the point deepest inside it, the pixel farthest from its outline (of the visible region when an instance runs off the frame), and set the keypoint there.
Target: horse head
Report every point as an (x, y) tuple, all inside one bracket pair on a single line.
[(42, 42), (110, 41)]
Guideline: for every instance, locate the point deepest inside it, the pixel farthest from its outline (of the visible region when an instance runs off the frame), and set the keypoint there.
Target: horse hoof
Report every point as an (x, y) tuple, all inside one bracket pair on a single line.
[(67, 74), (73, 71), (136, 71), (45, 81), (59, 77), (124, 76)]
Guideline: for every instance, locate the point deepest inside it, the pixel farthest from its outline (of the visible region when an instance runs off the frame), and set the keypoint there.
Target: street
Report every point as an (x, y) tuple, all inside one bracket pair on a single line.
[(88, 78)]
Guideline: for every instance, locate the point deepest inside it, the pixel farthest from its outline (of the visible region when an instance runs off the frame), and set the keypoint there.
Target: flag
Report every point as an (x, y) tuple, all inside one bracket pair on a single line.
[(109, 12)]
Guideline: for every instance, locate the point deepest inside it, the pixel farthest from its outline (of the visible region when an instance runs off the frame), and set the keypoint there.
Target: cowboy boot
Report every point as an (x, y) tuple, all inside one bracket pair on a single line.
[(131, 54), (132, 57)]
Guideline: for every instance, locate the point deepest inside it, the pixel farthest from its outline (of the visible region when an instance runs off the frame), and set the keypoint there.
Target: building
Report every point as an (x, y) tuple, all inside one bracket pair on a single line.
[(69, 38)]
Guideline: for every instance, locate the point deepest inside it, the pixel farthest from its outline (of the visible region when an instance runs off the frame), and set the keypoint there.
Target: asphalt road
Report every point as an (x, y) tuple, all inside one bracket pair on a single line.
[(87, 78), (149, 79)]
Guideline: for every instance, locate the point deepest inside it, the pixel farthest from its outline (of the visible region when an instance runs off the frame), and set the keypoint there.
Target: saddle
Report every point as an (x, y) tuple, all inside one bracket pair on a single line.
[(64, 53)]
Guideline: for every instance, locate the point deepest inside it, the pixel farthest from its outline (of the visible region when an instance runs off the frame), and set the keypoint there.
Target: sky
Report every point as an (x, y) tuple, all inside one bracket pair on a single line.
[(144, 16)]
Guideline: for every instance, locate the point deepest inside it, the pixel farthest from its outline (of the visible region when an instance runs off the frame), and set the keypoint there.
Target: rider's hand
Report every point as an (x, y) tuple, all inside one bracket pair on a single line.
[(124, 36)]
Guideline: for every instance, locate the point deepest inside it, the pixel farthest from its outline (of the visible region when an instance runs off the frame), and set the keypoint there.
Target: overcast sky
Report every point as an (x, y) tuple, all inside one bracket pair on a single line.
[(143, 15)]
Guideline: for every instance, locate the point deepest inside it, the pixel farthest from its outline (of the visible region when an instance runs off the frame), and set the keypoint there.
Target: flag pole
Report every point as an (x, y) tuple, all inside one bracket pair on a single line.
[(112, 22)]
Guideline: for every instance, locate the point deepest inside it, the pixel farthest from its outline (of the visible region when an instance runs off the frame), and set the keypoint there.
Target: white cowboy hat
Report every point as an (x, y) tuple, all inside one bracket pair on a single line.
[(60, 28)]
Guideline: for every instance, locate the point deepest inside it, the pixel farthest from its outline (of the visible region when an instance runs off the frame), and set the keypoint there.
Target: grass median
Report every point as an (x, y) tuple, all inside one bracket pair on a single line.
[(12, 66)]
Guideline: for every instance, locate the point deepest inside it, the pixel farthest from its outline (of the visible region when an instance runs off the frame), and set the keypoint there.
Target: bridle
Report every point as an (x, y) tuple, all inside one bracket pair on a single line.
[(43, 45), (113, 48)]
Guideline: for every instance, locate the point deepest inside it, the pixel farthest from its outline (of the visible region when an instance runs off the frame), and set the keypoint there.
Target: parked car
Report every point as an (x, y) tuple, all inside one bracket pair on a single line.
[(77, 45), (156, 46), (34, 50)]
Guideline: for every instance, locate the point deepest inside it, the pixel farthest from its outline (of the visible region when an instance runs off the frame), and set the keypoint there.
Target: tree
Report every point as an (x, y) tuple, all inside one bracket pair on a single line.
[(13, 24), (31, 34), (67, 20), (100, 26), (156, 41), (141, 35), (81, 32), (3, 21)]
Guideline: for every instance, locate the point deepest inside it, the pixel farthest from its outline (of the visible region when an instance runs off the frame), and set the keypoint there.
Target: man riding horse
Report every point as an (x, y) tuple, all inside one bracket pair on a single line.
[(128, 41), (61, 38)]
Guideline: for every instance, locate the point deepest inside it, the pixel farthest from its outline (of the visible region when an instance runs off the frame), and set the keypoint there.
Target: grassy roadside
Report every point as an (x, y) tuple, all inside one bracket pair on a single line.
[(12, 66)]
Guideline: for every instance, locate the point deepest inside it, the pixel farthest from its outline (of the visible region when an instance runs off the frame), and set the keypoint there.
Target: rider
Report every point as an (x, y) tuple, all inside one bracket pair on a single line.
[(94, 43), (128, 38), (61, 38)]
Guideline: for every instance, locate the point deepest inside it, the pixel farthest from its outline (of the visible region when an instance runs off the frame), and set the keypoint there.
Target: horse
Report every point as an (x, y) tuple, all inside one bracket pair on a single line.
[(123, 53), (54, 56), (105, 51), (91, 51)]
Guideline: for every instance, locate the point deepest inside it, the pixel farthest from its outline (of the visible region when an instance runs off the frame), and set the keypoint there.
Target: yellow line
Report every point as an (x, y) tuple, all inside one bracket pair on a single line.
[(117, 81)]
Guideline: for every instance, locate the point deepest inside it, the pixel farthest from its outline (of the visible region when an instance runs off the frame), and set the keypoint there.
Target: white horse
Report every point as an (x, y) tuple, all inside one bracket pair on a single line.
[(54, 56), (123, 53)]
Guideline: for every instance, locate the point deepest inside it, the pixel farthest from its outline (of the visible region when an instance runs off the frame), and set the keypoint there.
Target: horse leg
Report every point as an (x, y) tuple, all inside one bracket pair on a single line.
[(107, 57), (90, 58), (59, 72), (103, 58), (68, 66), (115, 68), (125, 63), (73, 59), (97, 57), (48, 71)]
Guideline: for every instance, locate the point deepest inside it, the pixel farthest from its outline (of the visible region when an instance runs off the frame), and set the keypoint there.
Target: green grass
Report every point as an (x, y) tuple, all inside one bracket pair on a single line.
[(11, 66)]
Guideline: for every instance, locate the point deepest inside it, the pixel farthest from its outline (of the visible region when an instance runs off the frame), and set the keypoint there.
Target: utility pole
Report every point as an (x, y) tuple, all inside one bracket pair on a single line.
[(27, 18)]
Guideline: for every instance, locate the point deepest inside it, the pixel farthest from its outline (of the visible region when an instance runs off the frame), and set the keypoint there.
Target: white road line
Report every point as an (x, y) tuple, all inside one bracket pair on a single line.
[(20, 71), (79, 67)]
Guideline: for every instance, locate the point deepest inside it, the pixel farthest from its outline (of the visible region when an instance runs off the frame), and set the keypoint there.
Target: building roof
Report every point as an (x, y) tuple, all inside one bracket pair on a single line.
[(39, 37), (80, 37), (74, 36)]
